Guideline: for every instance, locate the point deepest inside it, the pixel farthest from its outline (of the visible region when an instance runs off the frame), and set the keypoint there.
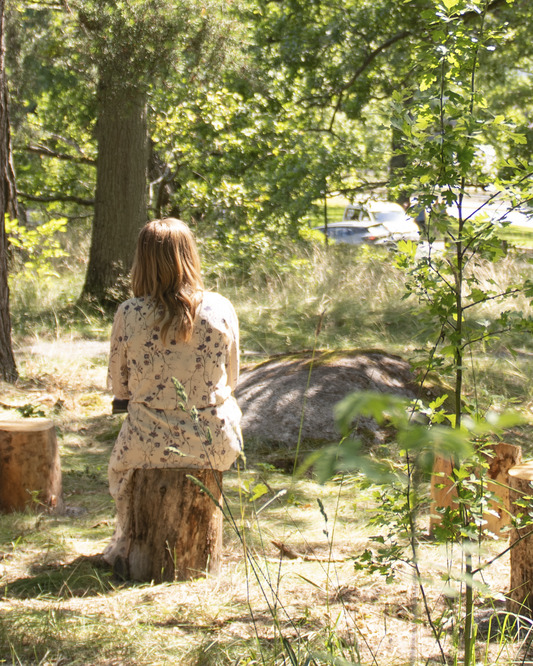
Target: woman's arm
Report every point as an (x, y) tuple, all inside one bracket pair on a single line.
[(117, 374), (233, 351)]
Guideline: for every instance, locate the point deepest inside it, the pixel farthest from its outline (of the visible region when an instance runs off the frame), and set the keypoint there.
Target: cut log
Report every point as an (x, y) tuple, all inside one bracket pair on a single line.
[(30, 467), (520, 598), (500, 458), (443, 492), (505, 457), (175, 528)]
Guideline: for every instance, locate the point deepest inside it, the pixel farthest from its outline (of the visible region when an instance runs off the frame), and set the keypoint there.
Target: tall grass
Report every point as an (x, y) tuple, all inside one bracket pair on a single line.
[(356, 291)]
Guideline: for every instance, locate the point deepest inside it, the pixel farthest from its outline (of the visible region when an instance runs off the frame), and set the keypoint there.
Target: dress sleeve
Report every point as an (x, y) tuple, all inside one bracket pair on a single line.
[(117, 373), (233, 351)]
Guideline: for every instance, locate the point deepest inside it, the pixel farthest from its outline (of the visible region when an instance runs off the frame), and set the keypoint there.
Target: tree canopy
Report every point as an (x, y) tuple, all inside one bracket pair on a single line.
[(252, 112)]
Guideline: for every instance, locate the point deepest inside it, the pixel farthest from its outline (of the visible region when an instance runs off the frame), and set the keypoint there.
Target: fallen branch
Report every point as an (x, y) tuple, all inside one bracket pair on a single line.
[(291, 554)]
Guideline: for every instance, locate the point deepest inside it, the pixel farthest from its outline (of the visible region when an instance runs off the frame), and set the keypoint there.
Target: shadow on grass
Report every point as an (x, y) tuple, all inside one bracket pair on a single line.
[(83, 577)]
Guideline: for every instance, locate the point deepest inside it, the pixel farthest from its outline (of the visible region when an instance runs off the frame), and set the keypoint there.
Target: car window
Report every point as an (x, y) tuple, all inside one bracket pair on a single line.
[(352, 235), (355, 214)]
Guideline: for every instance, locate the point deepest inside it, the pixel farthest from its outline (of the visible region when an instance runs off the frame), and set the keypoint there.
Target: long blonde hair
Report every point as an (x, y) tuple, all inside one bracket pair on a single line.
[(167, 268)]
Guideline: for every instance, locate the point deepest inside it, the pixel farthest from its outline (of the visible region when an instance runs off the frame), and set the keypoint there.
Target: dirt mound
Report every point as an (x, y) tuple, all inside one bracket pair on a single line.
[(281, 395)]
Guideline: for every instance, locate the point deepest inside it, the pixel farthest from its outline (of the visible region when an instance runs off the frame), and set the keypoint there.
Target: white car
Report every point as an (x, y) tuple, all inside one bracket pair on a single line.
[(373, 222)]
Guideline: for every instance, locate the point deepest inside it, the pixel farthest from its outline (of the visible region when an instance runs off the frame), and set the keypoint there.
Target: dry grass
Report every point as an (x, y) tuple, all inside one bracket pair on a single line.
[(58, 609)]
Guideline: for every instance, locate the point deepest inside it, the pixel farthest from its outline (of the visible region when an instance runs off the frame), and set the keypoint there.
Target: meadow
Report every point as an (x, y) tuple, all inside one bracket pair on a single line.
[(307, 606)]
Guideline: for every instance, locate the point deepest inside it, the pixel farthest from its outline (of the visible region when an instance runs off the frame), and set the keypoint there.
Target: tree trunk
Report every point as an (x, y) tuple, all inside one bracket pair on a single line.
[(520, 598), (8, 368), (175, 528), (504, 456), (30, 468), (121, 185)]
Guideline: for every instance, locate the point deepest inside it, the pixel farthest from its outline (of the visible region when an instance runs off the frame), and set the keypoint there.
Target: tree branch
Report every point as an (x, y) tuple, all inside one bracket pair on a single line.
[(365, 64), (492, 298), (360, 188), (48, 152), (56, 197)]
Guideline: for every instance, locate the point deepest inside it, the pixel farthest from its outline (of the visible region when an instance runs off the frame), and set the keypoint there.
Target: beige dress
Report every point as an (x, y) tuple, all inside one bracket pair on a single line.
[(164, 427)]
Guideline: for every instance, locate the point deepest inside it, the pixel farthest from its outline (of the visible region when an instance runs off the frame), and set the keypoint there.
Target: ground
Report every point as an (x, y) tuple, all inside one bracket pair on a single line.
[(288, 576)]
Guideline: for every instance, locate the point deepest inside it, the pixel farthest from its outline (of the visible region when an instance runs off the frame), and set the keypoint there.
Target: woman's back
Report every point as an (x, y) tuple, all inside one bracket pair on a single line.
[(142, 366)]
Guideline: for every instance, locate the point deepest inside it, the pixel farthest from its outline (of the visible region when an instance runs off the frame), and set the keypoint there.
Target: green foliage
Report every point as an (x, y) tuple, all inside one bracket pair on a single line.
[(37, 246), (52, 112), (30, 411), (419, 443), (152, 39), (443, 122)]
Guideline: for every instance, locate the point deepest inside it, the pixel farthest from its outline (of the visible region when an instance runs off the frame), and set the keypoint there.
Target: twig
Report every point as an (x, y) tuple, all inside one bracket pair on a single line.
[(291, 554)]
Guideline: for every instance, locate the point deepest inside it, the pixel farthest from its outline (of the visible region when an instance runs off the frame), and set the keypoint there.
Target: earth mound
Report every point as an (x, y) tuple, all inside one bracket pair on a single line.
[(289, 392)]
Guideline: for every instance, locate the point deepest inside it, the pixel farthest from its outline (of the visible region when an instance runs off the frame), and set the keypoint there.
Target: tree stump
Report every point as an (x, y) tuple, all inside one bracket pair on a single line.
[(30, 467), (442, 490), (520, 598), (175, 528), (504, 456)]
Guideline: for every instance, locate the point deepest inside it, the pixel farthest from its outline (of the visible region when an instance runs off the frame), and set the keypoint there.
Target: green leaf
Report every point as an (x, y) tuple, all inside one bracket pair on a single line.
[(379, 406), (349, 457), (258, 491), (180, 390)]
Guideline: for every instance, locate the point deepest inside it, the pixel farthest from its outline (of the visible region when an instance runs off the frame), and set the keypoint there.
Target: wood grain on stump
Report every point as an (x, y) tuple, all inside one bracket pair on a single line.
[(30, 467), (520, 598), (500, 459), (175, 528)]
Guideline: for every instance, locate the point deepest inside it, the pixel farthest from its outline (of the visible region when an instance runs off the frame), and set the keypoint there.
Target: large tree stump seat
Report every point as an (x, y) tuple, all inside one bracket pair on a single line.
[(520, 598), (443, 493), (175, 528), (30, 467)]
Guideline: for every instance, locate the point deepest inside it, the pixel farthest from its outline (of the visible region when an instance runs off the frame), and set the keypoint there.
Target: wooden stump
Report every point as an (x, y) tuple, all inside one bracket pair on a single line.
[(175, 529), (503, 457), (30, 468), (520, 598), (442, 490)]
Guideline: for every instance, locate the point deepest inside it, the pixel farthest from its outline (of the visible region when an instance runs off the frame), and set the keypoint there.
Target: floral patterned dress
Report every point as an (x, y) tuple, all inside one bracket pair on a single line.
[(197, 427)]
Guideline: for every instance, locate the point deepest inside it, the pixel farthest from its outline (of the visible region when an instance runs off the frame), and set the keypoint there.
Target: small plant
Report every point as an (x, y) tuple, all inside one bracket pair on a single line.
[(30, 411)]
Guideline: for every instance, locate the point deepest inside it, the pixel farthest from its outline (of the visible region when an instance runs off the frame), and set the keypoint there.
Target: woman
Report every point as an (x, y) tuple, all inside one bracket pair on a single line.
[(171, 330)]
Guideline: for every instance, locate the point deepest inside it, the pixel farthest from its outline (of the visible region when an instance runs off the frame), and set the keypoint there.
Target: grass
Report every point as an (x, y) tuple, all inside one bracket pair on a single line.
[(58, 608)]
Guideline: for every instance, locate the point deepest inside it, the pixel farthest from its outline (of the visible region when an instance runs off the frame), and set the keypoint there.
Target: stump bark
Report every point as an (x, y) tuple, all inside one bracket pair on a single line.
[(175, 528), (30, 467), (501, 459), (520, 598)]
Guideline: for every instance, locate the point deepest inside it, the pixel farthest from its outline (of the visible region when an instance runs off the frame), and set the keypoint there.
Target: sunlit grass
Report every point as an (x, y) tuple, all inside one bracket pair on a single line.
[(56, 607), (354, 293)]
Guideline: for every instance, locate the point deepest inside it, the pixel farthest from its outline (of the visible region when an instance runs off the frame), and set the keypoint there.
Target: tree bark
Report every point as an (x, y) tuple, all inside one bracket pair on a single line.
[(175, 529), (520, 597), (505, 457), (30, 467), (121, 188), (8, 203)]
